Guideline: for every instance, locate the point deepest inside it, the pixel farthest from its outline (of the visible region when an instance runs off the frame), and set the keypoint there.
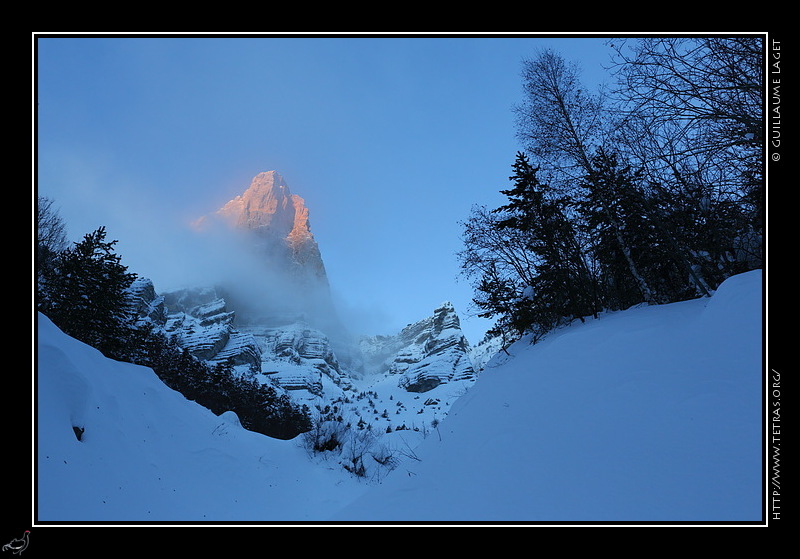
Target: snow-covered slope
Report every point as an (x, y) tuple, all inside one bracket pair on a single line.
[(148, 454), (650, 414)]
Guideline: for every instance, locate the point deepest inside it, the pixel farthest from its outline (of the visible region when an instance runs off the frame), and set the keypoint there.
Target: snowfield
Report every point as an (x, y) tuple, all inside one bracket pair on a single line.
[(652, 414)]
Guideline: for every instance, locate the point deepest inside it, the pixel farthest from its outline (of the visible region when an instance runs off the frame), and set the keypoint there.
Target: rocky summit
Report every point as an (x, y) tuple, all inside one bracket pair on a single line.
[(269, 259), (279, 223)]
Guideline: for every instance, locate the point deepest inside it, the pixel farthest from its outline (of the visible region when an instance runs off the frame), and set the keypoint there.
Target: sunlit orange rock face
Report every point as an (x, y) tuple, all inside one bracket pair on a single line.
[(279, 221), (268, 203)]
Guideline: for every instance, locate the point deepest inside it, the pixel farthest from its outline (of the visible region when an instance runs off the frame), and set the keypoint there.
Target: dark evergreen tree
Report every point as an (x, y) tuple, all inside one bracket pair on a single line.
[(615, 216), (545, 278), (87, 294), (499, 298), (602, 234), (635, 260), (692, 114), (499, 265), (712, 227), (563, 286)]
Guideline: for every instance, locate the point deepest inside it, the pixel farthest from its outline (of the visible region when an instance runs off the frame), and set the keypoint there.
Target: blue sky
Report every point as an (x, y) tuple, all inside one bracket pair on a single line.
[(389, 140)]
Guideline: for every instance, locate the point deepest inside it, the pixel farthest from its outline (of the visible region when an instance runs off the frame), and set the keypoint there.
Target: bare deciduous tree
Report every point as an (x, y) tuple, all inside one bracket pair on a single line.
[(691, 109), (559, 122), (50, 229)]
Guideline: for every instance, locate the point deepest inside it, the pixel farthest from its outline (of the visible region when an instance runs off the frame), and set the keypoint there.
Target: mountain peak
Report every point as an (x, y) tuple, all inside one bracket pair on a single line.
[(283, 268), (268, 203)]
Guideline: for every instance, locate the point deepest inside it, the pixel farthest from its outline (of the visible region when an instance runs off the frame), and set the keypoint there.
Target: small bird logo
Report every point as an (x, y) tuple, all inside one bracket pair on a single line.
[(18, 545)]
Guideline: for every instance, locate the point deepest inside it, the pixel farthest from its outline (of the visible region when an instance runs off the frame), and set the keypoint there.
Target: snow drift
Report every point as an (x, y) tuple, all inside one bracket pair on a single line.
[(651, 414)]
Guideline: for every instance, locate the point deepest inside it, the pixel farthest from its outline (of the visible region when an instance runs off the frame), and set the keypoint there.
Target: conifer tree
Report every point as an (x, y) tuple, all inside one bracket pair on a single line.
[(562, 286), (532, 273), (87, 294), (625, 243)]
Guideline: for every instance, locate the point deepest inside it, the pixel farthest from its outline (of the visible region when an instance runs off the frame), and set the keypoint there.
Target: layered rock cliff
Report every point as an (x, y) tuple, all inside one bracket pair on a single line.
[(424, 354)]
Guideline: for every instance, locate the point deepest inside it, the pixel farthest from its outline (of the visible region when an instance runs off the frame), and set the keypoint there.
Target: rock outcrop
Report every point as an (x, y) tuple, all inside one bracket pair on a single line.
[(295, 356), (201, 322), (148, 306), (298, 357), (424, 354)]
